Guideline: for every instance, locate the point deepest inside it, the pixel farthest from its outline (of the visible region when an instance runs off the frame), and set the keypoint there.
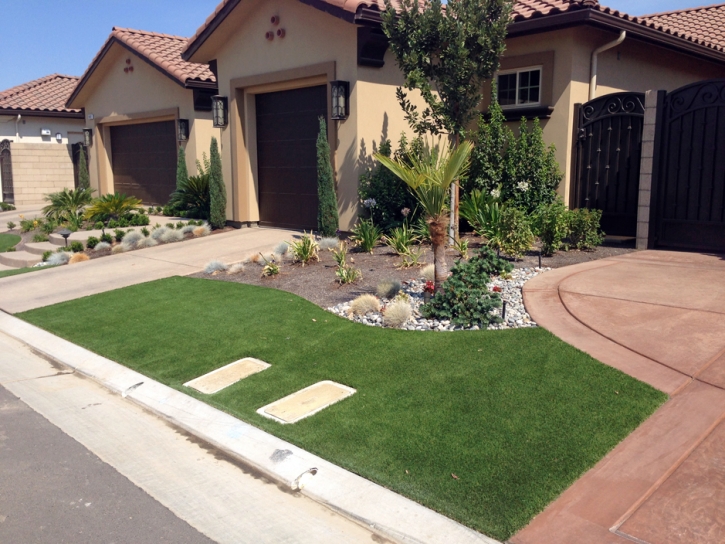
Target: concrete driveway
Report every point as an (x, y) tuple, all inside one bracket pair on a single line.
[(45, 287), (660, 317)]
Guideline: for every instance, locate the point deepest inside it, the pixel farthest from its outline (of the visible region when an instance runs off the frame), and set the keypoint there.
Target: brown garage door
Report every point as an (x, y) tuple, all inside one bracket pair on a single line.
[(144, 160), (287, 127)]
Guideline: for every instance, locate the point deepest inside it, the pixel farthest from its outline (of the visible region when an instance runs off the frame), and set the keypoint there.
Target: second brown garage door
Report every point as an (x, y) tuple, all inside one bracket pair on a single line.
[(287, 128), (144, 160)]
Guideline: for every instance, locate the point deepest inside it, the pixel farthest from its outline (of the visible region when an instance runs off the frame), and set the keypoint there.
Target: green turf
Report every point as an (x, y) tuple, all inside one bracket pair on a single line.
[(517, 415), (7, 241), (16, 271)]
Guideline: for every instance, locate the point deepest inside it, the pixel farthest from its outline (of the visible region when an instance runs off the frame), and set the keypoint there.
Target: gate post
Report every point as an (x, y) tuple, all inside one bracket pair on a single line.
[(646, 168)]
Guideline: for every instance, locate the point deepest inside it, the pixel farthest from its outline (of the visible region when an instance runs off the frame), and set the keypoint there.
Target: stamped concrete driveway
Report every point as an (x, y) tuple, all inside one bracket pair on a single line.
[(45, 287), (660, 317)]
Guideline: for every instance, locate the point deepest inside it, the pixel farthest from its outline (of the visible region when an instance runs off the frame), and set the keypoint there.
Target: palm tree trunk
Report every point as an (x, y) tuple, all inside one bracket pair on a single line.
[(438, 240)]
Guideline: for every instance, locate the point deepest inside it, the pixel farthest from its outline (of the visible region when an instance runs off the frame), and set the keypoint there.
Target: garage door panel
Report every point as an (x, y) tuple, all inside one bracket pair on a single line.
[(287, 128), (144, 160)]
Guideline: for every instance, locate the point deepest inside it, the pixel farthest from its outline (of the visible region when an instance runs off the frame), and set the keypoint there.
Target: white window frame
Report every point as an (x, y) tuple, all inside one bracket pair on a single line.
[(517, 71)]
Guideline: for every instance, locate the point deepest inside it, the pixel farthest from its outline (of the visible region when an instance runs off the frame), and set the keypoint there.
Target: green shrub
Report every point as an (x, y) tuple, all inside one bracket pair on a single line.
[(328, 220), (217, 190), (180, 225), (145, 232), (98, 225), (182, 172), (159, 209), (46, 255), (38, 238), (48, 226), (26, 225), (483, 210), (139, 220), (516, 235), (76, 247), (464, 298), (400, 239), (151, 210), (4, 206), (551, 224), (584, 228), (305, 250), (123, 222), (113, 224), (92, 242), (107, 238), (366, 235), (84, 180), (394, 201), (118, 234), (11, 225), (491, 139)]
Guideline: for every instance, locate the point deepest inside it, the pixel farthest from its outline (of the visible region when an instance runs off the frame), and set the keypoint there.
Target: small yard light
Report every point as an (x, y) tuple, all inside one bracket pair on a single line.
[(340, 104), (183, 127), (88, 137), (219, 107), (503, 311), (65, 233)]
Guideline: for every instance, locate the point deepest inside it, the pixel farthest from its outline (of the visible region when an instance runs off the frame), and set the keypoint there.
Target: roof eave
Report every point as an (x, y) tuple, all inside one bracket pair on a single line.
[(194, 44), (42, 113)]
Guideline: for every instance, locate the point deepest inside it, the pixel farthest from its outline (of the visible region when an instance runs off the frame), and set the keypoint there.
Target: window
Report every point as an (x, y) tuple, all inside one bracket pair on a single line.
[(519, 87)]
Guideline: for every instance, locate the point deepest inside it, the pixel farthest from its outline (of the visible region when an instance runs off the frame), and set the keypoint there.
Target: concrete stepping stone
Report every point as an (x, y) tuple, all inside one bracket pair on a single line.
[(223, 377), (19, 259), (306, 402), (38, 248)]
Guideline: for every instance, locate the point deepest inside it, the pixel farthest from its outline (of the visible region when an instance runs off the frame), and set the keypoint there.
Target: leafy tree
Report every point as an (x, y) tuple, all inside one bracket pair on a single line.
[(446, 55), (328, 220), (531, 172), (430, 175), (84, 180), (182, 173), (217, 191)]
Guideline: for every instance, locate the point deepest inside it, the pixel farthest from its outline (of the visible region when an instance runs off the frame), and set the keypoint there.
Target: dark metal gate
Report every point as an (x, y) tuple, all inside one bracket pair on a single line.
[(608, 151), (6, 172), (688, 206)]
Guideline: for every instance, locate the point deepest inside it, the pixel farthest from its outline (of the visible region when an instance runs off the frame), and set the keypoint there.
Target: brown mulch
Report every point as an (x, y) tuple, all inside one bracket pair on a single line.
[(317, 282)]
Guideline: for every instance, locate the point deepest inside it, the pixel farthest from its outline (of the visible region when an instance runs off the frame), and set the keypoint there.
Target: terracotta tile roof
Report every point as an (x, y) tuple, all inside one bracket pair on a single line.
[(48, 93), (164, 51), (704, 25)]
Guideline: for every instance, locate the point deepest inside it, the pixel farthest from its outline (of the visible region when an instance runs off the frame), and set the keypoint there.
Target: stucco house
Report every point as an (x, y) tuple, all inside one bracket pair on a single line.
[(279, 61), (39, 139), (141, 102)]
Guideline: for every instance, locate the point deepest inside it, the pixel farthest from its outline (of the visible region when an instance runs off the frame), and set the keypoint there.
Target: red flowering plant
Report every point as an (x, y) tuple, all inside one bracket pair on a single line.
[(496, 289), (429, 287)]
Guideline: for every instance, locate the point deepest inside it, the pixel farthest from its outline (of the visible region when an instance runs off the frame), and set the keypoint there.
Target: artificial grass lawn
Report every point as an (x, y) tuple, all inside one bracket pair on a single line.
[(516, 415), (7, 241), (16, 271)]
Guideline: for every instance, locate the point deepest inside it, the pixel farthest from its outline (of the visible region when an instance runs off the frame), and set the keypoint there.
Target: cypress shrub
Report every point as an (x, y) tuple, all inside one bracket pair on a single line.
[(328, 220), (84, 180), (182, 173), (217, 191)]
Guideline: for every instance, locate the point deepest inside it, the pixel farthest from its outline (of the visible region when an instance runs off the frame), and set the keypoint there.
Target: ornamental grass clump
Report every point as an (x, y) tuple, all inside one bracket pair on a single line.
[(57, 259), (397, 314), (78, 258), (388, 288), (366, 235), (143, 243), (100, 246), (281, 249), (464, 298), (215, 267), (132, 238), (365, 304), (171, 236), (120, 248), (204, 230), (428, 273), (305, 250), (237, 268), (329, 243)]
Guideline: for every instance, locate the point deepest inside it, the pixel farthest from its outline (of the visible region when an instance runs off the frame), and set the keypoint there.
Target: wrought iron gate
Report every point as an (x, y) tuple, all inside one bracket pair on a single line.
[(6, 172), (608, 151), (689, 168)]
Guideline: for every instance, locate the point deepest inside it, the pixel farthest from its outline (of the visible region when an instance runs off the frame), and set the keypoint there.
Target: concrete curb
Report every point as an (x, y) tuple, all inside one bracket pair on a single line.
[(360, 500)]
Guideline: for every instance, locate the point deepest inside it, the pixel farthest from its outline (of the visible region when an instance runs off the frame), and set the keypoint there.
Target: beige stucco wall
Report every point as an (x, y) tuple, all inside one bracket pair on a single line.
[(28, 129), (114, 97), (39, 169)]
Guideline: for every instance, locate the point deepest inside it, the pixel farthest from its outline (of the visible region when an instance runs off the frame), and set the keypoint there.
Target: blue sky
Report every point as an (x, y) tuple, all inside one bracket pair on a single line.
[(41, 37)]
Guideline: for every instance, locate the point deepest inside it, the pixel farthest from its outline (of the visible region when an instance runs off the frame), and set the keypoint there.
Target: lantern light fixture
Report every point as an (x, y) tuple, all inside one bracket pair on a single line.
[(219, 108), (88, 137), (340, 99), (183, 130)]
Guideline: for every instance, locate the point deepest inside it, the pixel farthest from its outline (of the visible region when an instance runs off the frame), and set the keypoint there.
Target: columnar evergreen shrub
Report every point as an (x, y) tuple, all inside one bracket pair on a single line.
[(84, 180), (491, 140), (217, 191), (328, 220), (182, 173)]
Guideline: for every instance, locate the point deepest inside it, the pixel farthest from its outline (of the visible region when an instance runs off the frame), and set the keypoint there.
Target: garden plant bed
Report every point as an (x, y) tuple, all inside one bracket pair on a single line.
[(486, 427)]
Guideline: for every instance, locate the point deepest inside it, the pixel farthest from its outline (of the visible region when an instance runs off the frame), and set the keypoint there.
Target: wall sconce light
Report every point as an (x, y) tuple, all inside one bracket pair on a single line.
[(340, 99), (219, 108), (183, 130), (88, 137), (58, 136)]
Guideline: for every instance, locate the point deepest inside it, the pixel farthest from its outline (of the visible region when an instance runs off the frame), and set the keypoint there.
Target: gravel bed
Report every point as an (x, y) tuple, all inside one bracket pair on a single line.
[(510, 292)]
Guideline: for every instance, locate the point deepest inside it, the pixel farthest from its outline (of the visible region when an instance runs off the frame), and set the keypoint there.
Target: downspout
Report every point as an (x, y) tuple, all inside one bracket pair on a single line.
[(17, 130), (595, 58)]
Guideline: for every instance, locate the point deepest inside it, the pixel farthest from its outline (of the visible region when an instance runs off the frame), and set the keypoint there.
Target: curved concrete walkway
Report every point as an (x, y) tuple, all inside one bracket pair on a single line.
[(660, 317)]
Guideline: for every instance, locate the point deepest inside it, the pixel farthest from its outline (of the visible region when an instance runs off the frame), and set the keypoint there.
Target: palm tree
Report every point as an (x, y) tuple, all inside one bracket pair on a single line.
[(430, 176), (112, 206), (67, 205)]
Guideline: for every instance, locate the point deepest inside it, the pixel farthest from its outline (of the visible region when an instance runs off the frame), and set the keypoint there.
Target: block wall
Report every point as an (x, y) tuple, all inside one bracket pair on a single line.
[(39, 169)]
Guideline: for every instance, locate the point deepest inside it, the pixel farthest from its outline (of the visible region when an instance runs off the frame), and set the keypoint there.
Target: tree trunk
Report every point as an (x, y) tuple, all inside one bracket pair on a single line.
[(438, 240)]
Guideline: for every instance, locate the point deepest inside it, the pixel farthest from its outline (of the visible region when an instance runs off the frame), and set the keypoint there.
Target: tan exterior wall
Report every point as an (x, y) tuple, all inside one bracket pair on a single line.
[(317, 48), (115, 97), (39, 169), (29, 130)]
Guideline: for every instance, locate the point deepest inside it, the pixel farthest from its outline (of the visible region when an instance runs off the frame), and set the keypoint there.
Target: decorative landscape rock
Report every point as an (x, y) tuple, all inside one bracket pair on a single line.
[(510, 292)]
